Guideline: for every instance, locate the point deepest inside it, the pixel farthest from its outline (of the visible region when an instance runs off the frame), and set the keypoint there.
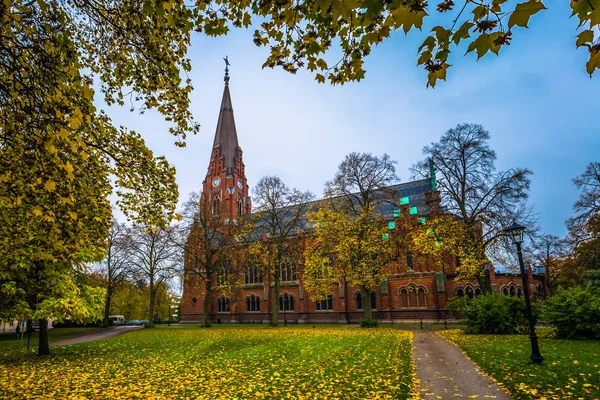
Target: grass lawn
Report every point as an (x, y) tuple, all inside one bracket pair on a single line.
[(571, 368), (9, 341), (220, 362)]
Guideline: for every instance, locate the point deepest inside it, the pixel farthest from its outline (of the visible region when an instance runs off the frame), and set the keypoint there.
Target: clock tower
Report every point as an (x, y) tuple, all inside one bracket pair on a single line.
[(225, 188)]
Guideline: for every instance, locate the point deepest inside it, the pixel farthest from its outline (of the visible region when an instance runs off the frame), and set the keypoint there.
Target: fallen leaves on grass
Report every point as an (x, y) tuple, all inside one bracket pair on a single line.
[(254, 363), (571, 368)]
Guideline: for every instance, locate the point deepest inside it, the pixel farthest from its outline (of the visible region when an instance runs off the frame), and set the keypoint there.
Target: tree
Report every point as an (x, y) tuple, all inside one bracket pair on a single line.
[(484, 200), (444, 237), (116, 267), (155, 258), (348, 241), (584, 227), (551, 252), (585, 224), (363, 181), (208, 242), (278, 219), (349, 248), (130, 299), (59, 160), (302, 33)]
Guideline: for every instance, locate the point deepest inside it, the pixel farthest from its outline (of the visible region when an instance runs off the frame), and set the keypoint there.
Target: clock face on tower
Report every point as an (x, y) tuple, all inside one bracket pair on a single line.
[(240, 184), (216, 182)]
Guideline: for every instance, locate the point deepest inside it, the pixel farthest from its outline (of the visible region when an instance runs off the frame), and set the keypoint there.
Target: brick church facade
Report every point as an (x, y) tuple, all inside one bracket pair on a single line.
[(415, 291)]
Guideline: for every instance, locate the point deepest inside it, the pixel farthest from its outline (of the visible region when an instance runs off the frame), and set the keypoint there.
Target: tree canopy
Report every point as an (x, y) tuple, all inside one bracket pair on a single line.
[(278, 220), (584, 227), (485, 200), (348, 240)]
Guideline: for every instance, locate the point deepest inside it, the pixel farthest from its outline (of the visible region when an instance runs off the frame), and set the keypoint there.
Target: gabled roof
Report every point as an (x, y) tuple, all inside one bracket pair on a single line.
[(226, 135), (415, 191)]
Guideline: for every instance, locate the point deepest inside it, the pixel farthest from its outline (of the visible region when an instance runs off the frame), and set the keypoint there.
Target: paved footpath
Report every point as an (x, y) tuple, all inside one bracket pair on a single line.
[(93, 336), (445, 373)]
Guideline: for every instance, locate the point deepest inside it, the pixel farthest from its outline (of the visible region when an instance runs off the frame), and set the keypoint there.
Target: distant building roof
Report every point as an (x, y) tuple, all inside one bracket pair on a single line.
[(504, 269)]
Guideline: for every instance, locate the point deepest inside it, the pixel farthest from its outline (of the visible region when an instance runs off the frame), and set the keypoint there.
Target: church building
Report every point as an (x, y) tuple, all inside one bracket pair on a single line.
[(416, 291)]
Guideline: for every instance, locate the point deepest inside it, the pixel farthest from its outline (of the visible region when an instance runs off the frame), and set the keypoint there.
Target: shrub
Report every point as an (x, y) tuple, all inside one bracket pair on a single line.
[(574, 312), (69, 323), (494, 313), (369, 323)]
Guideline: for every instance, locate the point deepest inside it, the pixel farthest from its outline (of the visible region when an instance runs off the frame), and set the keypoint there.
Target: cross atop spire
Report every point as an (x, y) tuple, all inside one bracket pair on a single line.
[(226, 70)]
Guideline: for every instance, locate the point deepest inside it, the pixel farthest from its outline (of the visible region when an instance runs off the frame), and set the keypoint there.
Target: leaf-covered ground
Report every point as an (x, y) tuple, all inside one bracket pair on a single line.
[(571, 368), (9, 342), (221, 362)]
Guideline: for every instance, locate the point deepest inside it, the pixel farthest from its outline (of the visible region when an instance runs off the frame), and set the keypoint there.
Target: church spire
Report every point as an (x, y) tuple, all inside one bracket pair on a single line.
[(226, 135)]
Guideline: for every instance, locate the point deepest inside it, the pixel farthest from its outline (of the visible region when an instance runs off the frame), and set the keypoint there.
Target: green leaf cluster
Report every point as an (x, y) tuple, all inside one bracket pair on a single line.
[(574, 312), (493, 313)]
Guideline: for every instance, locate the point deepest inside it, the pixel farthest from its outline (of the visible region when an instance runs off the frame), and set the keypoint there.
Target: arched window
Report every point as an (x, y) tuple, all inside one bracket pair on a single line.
[(513, 291), (288, 271), (404, 298), (286, 302), (240, 206), (421, 298), (519, 292), (373, 300), (252, 303), (325, 305), (477, 292), (460, 292), (505, 291), (412, 296), (222, 275), (223, 304), (253, 274), (359, 301), (469, 292), (216, 205)]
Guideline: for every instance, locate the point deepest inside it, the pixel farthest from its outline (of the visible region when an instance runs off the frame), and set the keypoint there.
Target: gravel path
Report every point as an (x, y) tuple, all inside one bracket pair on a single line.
[(93, 336), (445, 373)]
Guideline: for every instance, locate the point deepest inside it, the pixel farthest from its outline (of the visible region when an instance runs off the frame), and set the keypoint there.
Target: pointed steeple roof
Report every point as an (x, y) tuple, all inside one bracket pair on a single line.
[(226, 135)]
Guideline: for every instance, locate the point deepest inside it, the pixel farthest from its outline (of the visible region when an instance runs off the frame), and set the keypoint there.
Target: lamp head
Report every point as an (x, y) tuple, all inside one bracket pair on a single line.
[(515, 232)]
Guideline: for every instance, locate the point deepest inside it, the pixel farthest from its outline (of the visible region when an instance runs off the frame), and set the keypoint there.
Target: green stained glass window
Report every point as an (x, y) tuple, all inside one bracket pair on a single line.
[(413, 211), (391, 225), (396, 213), (404, 200), (421, 220), (385, 236)]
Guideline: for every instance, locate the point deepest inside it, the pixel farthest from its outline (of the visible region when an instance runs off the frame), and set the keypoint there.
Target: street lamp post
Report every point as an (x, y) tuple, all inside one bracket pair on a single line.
[(515, 231)]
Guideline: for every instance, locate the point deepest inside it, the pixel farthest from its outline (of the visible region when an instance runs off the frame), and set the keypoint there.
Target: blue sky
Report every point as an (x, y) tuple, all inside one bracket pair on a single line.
[(536, 100)]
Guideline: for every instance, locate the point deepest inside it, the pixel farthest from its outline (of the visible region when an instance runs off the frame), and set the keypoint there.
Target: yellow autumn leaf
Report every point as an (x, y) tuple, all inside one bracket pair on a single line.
[(50, 185)]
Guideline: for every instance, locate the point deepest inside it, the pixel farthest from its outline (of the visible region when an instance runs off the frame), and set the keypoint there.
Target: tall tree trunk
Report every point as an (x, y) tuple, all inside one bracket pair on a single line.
[(151, 310), (205, 306), (483, 278), (366, 292), (43, 348), (275, 298), (107, 301)]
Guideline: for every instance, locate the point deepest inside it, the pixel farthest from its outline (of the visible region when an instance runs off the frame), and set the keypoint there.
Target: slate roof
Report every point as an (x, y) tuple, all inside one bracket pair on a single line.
[(414, 190)]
